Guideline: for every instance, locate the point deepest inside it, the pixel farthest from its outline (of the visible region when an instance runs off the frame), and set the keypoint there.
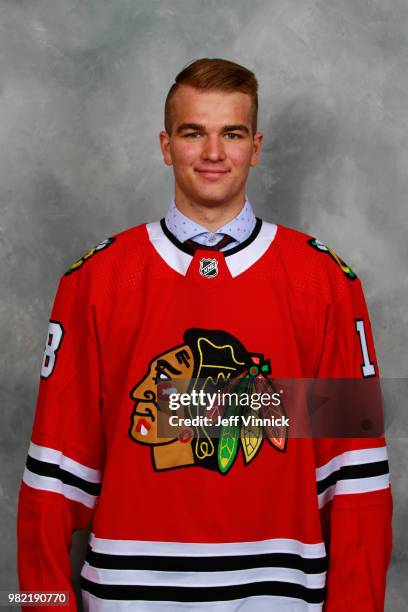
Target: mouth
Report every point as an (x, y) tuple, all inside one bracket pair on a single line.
[(211, 174)]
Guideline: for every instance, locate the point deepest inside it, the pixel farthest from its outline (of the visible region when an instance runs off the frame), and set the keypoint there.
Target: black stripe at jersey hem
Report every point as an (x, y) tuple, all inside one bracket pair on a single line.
[(52, 470), (203, 594), (352, 472), (206, 564), (186, 249)]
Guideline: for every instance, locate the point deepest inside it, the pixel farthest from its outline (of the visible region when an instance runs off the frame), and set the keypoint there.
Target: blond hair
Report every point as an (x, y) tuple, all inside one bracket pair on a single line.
[(214, 75)]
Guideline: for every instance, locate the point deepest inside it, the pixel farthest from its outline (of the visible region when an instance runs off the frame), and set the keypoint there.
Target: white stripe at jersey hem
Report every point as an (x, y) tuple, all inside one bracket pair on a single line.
[(257, 603), (202, 579), (193, 549)]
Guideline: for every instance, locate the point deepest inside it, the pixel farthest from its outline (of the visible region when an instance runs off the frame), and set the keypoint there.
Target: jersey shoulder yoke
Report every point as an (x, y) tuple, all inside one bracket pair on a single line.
[(314, 264), (111, 260)]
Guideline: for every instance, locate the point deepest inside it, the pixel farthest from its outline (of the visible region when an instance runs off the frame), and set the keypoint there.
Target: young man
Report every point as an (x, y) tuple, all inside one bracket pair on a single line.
[(246, 520)]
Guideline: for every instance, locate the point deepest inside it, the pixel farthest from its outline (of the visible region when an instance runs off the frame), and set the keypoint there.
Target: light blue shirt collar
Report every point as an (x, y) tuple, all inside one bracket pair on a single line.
[(184, 228)]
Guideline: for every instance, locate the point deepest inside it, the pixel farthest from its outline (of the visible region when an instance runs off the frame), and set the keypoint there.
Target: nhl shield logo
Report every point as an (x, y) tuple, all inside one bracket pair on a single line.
[(208, 267)]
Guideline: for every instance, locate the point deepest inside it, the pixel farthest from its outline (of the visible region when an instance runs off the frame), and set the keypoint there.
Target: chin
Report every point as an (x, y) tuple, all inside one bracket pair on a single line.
[(212, 196)]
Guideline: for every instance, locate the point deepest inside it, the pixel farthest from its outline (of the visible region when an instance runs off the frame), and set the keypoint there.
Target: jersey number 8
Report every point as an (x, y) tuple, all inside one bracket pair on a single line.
[(53, 343)]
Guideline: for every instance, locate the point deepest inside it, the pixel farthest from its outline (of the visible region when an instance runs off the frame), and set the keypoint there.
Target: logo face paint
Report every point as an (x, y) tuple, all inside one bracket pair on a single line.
[(143, 427), (208, 267)]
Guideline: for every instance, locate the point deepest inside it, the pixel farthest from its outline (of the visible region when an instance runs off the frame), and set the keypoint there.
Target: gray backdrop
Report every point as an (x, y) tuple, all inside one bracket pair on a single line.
[(82, 87)]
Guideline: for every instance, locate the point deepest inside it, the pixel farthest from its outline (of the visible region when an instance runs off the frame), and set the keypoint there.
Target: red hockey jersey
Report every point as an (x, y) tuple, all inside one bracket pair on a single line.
[(179, 523)]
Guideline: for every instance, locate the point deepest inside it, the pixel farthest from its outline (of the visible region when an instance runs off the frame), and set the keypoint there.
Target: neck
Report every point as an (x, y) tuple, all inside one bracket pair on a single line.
[(212, 215)]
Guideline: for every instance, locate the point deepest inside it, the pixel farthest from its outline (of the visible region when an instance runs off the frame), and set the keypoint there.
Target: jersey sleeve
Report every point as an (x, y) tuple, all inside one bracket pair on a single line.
[(352, 473), (62, 477)]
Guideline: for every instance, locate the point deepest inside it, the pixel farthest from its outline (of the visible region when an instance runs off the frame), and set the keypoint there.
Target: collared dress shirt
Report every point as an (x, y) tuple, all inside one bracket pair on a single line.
[(184, 228)]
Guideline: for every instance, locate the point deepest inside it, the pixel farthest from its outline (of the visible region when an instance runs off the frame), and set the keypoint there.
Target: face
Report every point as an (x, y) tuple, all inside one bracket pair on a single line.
[(211, 146), (168, 373)]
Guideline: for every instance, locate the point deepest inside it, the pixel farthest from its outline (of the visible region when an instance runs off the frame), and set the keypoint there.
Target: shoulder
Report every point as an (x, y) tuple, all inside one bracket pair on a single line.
[(110, 261), (314, 265)]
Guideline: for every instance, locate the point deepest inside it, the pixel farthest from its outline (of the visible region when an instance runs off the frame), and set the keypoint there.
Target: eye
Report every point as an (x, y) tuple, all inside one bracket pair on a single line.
[(233, 136), (161, 375), (192, 135)]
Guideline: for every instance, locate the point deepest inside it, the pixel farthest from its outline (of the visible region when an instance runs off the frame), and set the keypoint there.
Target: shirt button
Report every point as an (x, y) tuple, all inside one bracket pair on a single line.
[(212, 238)]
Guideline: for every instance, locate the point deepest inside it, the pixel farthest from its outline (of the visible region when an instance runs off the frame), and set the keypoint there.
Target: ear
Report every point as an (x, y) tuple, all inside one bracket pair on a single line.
[(256, 151), (165, 147)]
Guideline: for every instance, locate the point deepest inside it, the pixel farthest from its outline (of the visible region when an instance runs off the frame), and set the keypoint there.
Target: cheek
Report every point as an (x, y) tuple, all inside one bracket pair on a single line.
[(185, 155), (240, 156)]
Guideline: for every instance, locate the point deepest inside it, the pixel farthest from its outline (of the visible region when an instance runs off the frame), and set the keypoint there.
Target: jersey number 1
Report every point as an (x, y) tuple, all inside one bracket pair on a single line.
[(367, 367)]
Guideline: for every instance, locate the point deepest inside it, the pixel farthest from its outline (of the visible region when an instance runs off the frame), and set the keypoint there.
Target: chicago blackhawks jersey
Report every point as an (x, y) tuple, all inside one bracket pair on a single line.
[(189, 521)]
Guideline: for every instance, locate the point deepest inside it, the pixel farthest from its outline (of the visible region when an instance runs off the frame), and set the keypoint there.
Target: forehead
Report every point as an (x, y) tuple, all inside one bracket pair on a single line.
[(180, 357), (191, 105)]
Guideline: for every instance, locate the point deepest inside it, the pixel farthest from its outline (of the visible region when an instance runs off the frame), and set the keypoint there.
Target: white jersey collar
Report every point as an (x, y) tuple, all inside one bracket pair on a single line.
[(238, 259)]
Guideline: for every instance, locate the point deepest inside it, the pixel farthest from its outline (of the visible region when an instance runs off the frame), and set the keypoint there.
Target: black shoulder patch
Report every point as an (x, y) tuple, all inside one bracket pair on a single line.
[(96, 249), (319, 246)]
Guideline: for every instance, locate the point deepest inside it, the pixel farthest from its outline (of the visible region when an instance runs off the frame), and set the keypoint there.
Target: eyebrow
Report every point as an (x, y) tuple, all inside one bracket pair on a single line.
[(163, 364), (198, 127)]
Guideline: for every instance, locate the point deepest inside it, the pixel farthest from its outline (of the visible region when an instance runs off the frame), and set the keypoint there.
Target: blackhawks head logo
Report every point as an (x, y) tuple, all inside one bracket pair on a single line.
[(207, 359)]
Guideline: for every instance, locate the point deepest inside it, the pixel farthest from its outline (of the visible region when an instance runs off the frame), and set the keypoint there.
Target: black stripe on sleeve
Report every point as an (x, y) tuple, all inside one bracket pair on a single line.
[(350, 472), (203, 594), (52, 470)]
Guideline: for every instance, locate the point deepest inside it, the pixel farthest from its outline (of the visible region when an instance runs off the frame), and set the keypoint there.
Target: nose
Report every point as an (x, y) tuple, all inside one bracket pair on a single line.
[(214, 148)]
